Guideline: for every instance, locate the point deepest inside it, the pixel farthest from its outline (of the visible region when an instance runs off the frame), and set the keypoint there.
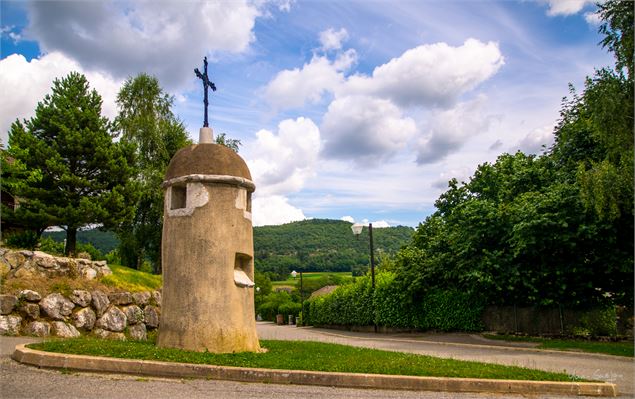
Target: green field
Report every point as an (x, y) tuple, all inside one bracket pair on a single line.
[(303, 355), (291, 282)]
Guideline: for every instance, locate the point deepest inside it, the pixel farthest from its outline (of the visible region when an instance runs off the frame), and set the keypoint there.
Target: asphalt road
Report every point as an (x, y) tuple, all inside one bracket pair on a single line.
[(19, 381), (615, 369)]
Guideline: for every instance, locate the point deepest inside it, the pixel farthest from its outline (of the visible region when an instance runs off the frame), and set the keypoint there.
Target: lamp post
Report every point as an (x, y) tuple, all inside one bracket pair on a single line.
[(357, 230)]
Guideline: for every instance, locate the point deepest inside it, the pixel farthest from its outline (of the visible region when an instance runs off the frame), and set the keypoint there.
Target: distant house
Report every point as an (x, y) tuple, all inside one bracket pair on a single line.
[(327, 289)]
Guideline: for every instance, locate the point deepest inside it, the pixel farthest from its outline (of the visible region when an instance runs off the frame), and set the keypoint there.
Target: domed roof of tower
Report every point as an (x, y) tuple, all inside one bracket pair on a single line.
[(207, 159)]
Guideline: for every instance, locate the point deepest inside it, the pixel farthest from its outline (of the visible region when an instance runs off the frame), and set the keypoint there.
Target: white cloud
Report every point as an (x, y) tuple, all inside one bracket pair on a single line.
[(332, 39), (348, 219), (461, 175), (275, 209), (566, 7), (380, 224), (432, 74), (365, 129), (534, 141), (448, 129), (293, 88), (280, 163), (164, 40), (32, 80), (592, 18), (496, 145)]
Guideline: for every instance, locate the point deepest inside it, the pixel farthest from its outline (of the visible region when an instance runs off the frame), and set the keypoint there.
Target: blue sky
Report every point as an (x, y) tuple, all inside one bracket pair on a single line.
[(357, 110)]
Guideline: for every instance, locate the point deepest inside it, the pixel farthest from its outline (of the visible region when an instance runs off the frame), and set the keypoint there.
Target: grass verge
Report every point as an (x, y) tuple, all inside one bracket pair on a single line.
[(303, 355), (127, 279), (608, 348)]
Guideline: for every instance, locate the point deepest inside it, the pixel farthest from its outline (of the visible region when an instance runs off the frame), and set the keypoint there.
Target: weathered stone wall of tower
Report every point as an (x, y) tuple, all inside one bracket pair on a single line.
[(208, 268)]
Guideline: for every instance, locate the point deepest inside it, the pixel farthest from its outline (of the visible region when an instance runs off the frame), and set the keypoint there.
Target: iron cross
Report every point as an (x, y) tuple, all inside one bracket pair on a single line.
[(206, 83)]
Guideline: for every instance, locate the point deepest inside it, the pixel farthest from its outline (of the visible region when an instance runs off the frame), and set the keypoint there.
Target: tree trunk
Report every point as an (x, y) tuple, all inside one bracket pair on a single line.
[(71, 241)]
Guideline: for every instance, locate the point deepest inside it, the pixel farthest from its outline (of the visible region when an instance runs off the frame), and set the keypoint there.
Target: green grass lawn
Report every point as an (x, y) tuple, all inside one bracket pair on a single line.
[(609, 348), (127, 279), (302, 355), (290, 281)]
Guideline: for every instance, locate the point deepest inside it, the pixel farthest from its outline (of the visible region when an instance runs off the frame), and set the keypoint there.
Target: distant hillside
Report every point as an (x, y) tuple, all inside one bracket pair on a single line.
[(321, 245), (105, 241), (310, 245)]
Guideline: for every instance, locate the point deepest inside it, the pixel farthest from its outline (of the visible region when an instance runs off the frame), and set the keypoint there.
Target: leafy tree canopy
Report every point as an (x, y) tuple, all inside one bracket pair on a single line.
[(65, 168)]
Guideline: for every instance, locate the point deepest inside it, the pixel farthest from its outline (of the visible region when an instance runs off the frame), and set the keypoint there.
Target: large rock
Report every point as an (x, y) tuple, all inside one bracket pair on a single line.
[(30, 310), (81, 298), (113, 320), (141, 298), (120, 298), (14, 258), (44, 260), (138, 332), (156, 297), (63, 330), (7, 303), (103, 334), (134, 314), (84, 318), (56, 306), (30, 295), (5, 268), (100, 302), (38, 329), (10, 325), (151, 316)]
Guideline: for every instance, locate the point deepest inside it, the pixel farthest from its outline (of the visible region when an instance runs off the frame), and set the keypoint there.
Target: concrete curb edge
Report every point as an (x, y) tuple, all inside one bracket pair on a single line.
[(43, 359)]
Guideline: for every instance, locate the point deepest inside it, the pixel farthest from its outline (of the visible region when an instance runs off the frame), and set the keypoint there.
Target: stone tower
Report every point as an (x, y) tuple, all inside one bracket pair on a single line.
[(207, 251)]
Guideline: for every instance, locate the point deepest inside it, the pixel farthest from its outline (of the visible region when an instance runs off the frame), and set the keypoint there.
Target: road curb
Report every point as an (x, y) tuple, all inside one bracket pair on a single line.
[(37, 358)]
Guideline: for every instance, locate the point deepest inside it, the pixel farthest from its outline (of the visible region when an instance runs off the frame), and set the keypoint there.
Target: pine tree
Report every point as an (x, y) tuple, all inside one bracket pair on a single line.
[(66, 169)]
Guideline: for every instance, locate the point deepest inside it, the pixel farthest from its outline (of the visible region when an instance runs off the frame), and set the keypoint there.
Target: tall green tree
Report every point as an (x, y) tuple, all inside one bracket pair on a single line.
[(146, 121), (546, 230), (65, 168)]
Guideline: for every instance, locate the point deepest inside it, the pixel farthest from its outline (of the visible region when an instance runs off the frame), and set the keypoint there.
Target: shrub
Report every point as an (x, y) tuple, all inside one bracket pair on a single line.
[(357, 305), (24, 240), (290, 308)]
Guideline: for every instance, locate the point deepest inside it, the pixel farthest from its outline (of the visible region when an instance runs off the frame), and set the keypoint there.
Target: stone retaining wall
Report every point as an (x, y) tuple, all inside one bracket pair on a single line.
[(24, 264), (118, 315)]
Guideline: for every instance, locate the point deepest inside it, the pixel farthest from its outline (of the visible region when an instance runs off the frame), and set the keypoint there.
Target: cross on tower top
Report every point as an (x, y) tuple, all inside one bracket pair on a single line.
[(206, 83)]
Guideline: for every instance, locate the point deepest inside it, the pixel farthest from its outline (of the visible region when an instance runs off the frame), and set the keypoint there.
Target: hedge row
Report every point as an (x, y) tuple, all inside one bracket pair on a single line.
[(357, 305)]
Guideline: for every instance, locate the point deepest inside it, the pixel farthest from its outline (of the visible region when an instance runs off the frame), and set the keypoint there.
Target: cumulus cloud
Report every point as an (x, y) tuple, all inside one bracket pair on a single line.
[(282, 162), (379, 224), (293, 88), (32, 80), (365, 129), (535, 140), (331, 39), (273, 210), (432, 74), (496, 145), (449, 129), (460, 174), (566, 7), (124, 39), (592, 18)]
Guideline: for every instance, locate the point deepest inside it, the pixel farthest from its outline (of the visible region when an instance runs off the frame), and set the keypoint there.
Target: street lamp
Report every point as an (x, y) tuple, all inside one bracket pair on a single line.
[(357, 230)]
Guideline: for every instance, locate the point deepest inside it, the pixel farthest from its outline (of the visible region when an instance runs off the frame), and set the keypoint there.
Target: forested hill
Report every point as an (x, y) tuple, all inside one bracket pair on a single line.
[(321, 245), (309, 245)]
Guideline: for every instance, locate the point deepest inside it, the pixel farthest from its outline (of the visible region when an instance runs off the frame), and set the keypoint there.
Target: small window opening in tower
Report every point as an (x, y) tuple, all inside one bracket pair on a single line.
[(179, 197)]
